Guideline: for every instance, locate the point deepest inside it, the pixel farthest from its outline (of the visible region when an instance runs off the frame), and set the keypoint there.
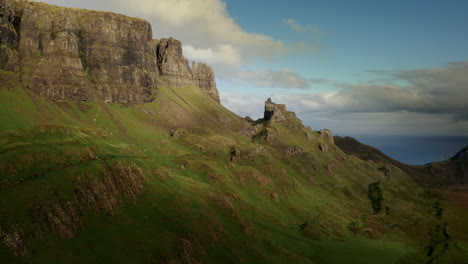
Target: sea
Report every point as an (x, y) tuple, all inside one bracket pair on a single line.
[(416, 150)]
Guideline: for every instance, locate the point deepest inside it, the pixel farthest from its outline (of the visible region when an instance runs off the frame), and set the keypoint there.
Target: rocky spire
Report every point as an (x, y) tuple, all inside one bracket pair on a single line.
[(175, 70), (274, 112)]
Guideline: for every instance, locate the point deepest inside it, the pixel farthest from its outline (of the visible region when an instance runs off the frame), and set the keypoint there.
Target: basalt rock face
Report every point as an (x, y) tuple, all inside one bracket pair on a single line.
[(175, 70), (276, 114), (81, 55), (203, 77)]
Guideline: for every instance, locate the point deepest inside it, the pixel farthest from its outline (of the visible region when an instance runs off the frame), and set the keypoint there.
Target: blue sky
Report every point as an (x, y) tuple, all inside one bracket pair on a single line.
[(358, 36), (357, 67)]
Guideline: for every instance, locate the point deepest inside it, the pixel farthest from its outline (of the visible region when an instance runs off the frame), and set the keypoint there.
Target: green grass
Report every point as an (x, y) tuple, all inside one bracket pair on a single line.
[(362, 251), (196, 202)]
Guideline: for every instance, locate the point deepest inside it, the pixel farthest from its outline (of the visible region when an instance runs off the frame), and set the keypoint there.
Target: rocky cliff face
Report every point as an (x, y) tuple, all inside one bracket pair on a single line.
[(81, 55), (277, 114), (175, 70), (274, 112)]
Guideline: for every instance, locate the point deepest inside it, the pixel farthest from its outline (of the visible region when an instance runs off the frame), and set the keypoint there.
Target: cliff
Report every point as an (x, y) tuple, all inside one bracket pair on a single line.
[(82, 55)]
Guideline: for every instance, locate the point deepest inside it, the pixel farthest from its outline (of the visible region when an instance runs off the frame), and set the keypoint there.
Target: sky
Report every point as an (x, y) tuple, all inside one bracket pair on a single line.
[(355, 67)]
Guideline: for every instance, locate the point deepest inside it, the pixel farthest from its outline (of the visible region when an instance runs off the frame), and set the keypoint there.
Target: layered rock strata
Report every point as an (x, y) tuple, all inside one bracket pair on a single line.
[(82, 55)]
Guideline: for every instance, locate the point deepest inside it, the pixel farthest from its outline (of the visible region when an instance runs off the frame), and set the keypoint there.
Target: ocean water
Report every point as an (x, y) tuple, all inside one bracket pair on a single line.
[(416, 150)]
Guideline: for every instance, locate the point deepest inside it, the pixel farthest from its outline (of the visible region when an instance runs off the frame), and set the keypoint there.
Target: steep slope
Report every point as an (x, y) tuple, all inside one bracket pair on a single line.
[(94, 178), (365, 152), (453, 170), (449, 172), (180, 179), (445, 182)]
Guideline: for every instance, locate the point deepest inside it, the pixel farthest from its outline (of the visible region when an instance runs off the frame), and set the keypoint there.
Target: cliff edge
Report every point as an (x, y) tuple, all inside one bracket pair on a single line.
[(82, 55)]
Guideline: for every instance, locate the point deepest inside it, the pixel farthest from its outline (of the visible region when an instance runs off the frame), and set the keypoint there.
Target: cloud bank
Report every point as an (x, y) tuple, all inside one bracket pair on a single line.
[(298, 28), (421, 101), (208, 32), (274, 79), (431, 91)]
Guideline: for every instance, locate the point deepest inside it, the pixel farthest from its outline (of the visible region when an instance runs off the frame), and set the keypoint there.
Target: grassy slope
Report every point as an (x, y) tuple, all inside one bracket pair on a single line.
[(444, 174), (196, 204), (452, 197)]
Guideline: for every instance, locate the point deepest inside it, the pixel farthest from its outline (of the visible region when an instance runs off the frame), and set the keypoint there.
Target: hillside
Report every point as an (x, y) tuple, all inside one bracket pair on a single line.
[(444, 181), (434, 174), (453, 170), (128, 157)]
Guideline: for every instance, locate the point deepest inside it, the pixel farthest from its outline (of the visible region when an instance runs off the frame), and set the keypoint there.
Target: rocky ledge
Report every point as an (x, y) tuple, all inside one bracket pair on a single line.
[(82, 55)]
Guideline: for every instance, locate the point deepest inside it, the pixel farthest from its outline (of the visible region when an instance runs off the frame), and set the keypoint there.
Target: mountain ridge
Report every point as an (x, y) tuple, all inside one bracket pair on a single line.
[(168, 175), (443, 173), (82, 55)]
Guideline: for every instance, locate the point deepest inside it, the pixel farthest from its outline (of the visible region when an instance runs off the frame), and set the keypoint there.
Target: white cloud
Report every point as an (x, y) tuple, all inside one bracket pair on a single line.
[(243, 104), (222, 55), (209, 34), (274, 79), (433, 101), (203, 24), (296, 27), (200, 23), (441, 90)]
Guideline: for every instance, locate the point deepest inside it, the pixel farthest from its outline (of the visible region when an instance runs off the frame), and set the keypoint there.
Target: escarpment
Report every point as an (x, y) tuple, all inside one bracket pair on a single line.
[(82, 55), (175, 71)]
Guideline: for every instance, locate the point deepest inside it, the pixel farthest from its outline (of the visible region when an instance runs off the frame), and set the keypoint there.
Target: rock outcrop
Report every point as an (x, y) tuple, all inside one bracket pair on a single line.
[(62, 218), (327, 135), (274, 112), (13, 241), (175, 71), (82, 55), (293, 151), (122, 180), (277, 113), (238, 154)]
